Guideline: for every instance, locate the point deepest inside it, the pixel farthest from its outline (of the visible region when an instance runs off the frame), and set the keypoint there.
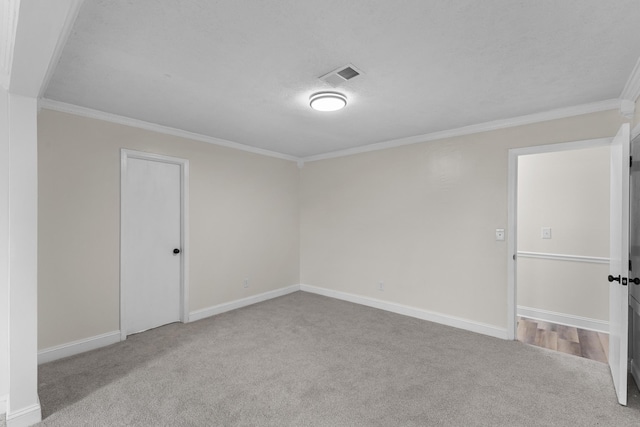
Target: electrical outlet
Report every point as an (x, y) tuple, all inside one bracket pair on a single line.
[(245, 284), (499, 233), (381, 285), (546, 232)]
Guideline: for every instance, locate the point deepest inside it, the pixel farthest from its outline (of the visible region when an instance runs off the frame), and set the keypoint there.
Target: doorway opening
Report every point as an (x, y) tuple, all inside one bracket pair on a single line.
[(619, 261), (562, 226)]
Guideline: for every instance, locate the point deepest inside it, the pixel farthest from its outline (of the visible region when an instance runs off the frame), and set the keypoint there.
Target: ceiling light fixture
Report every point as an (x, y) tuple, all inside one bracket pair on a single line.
[(327, 101)]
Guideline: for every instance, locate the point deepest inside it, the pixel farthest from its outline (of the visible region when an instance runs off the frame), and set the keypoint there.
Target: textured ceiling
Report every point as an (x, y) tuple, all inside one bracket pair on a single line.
[(243, 70)]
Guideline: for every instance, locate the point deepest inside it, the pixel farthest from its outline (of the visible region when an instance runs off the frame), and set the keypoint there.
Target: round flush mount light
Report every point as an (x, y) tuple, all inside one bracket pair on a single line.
[(327, 101)]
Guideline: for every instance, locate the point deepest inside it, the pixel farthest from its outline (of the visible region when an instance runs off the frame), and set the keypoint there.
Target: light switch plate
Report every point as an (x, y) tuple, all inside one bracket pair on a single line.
[(546, 232), (499, 233)]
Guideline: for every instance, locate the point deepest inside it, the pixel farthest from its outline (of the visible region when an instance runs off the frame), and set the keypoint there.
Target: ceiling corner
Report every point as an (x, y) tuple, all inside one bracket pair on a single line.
[(631, 89), (8, 18)]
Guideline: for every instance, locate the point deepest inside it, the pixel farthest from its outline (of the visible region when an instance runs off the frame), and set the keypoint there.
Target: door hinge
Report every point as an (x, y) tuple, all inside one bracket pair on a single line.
[(630, 269), (630, 161)]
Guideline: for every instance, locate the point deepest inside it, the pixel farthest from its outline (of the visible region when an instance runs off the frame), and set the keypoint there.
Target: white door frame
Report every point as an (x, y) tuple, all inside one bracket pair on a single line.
[(512, 225), (126, 154)]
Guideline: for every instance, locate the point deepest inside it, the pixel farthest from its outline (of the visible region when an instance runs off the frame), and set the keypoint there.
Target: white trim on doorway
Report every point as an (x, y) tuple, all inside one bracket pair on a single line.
[(512, 186), (184, 227)]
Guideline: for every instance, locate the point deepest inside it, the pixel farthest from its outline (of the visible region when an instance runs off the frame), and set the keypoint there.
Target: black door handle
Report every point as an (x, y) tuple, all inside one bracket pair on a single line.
[(635, 281), (611, 278), (176, 251)]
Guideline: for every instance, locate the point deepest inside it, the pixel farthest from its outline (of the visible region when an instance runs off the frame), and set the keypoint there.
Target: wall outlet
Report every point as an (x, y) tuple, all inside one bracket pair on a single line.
[(381, 285), (546, 232), (245, 283), (499, 233)]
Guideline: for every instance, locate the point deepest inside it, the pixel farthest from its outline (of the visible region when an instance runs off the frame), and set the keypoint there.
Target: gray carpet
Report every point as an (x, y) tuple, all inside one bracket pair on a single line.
[(307, 360)]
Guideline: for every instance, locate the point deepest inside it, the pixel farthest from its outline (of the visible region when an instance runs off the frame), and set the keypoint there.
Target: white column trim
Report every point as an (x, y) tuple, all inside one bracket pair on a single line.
[(25, 417)]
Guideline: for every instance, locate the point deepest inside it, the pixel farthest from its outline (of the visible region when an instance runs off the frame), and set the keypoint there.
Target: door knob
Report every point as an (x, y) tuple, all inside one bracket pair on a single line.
[(635, 281), (611, 278), (176, 251)]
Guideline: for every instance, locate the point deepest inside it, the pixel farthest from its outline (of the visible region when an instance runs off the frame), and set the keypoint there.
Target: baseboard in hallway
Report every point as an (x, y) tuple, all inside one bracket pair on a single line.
[(565, 339)]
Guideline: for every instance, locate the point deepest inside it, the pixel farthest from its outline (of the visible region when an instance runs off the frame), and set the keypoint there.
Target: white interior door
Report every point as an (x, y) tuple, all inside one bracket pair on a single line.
[(151, 233), (619, 264), (634, 256)]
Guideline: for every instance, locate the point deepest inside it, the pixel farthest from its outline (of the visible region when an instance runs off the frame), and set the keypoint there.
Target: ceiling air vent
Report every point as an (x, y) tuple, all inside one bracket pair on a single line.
[(341, 75)]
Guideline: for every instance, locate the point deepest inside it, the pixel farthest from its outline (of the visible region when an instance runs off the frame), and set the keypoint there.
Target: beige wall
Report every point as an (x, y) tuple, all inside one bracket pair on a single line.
[(422, 218), (569, 192), (243, 222)]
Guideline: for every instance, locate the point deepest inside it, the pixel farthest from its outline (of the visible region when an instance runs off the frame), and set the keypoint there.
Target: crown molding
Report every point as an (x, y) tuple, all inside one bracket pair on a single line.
[(114, 118), (594, 107), (631, 89), (8, 19), (65, 32), (611, 104)]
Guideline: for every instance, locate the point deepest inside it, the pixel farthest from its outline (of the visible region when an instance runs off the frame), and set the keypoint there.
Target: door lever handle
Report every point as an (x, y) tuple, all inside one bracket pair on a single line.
[(611, 278), (635, 281)]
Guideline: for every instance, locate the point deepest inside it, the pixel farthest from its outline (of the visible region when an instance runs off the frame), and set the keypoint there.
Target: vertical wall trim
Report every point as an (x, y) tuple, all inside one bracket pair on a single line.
[(4, 250), (23, 261)]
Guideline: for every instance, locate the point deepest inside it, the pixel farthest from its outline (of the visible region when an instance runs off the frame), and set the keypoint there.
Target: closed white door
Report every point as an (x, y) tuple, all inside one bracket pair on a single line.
[(619, 263), (151, 238)]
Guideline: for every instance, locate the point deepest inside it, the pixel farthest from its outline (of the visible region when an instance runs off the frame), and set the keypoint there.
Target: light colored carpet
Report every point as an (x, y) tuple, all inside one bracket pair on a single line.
[(307, 360)]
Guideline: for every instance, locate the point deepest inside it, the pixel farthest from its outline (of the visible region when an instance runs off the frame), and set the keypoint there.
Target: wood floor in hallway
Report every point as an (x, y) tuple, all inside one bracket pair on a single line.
[(565, 339)]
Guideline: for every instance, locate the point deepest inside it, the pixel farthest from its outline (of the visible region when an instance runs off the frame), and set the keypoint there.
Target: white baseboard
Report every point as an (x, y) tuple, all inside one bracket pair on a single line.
[(456, 322), (233, 305), (564, 319), (3, 405), (25, 417), (76, 347)]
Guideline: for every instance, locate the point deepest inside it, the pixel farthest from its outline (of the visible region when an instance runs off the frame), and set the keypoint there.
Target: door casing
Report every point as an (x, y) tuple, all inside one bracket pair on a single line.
[(126, 154)]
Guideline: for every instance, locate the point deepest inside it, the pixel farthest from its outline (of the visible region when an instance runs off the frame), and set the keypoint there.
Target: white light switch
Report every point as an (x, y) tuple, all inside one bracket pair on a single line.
[(499, 233), (546, 232)]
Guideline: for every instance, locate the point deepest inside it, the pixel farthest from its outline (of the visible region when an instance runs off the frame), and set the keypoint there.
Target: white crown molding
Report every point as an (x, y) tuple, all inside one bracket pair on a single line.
[(631, 89), (8, 19), (594, 107), (72, 14), (114, 118), (611, 104)]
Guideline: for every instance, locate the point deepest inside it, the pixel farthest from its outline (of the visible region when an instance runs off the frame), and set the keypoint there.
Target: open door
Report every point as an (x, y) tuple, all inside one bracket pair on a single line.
[(619, 262)]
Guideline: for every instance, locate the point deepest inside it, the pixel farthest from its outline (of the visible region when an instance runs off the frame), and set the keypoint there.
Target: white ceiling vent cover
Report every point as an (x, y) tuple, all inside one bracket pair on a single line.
[(341, 75)]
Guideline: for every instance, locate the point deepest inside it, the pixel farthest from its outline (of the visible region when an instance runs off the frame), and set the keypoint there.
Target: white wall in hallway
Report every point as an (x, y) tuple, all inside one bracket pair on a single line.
[(568, 192)]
